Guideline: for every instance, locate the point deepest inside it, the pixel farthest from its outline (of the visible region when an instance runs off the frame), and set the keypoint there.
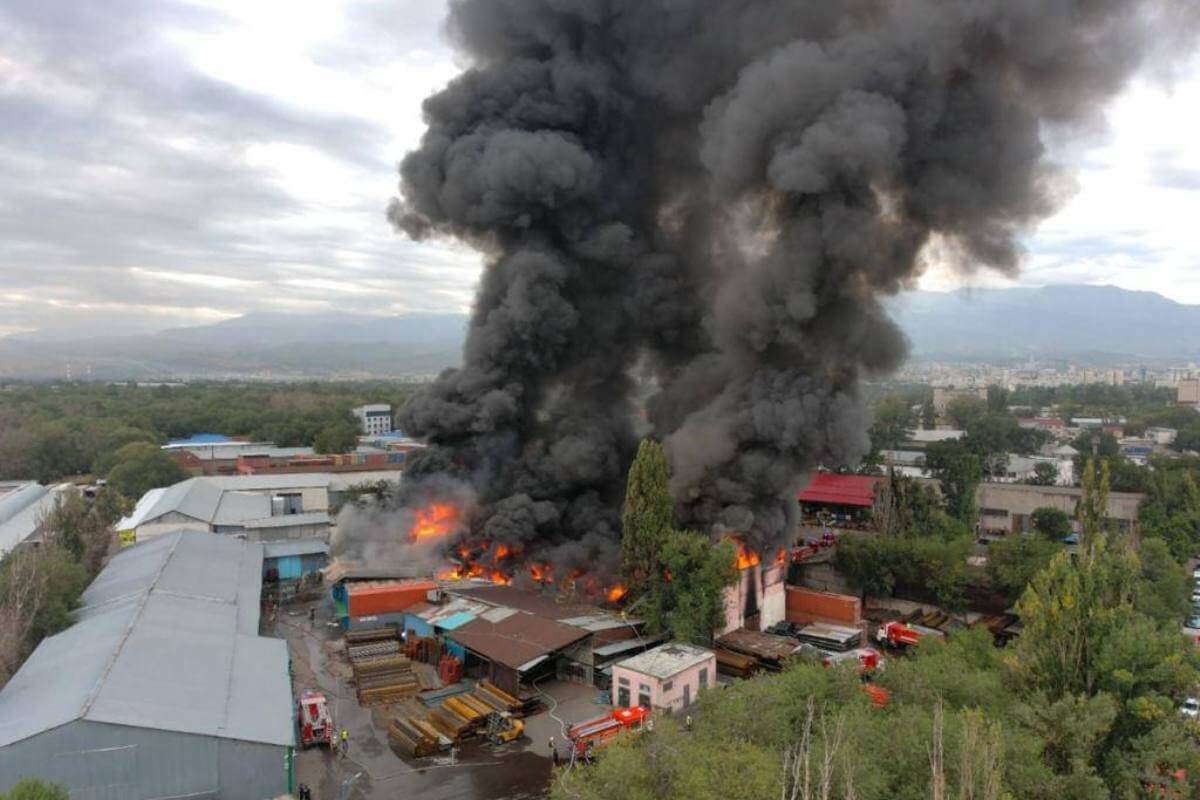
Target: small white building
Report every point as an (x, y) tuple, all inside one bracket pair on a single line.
[(668, 677), (375, 418), (1163, 436)]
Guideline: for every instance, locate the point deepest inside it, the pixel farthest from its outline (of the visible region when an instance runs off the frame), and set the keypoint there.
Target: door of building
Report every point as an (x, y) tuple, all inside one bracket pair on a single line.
[(623, 697), (687, 695)]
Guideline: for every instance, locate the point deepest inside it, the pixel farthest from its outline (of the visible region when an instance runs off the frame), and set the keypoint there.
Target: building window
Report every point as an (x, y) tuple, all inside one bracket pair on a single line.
[(704, 678), (668, 686), (623, 681), (643, 687)]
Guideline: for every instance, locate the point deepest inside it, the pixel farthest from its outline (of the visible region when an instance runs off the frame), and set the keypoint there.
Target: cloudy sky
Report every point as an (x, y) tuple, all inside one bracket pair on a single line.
[(170, 163)]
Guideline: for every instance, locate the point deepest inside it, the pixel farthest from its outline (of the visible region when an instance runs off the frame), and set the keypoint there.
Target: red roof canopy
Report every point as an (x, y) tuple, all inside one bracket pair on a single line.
[(840, 490)]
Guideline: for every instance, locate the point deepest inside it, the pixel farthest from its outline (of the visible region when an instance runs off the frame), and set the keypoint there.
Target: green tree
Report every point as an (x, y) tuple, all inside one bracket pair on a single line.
[(958, 472), (1044, 474), (687, 596), (336, 437), (647, 516), (997, 399), (35, 789), (140, 467), (928, 416), (1012, 562), (893, 424), (1052, 523), (964, 412)]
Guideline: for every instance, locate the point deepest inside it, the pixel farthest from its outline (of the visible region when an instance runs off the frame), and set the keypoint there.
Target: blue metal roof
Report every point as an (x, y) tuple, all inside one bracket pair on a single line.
[(203, 438), (456, 620)]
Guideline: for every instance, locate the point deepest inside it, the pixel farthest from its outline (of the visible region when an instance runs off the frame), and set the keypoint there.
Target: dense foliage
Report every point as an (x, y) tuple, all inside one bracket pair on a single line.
[(51, 431), (1082, 706)]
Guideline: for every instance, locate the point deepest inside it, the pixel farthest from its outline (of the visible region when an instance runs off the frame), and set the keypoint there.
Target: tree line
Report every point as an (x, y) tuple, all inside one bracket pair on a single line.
[(52, 431)]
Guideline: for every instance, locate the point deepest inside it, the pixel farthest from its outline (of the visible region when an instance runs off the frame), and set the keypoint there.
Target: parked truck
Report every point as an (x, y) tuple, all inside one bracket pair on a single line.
[(587, 735), (315, 721), (903, 634)]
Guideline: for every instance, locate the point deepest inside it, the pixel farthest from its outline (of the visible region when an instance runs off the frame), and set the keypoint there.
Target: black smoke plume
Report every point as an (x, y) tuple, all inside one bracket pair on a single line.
[(717, 194)]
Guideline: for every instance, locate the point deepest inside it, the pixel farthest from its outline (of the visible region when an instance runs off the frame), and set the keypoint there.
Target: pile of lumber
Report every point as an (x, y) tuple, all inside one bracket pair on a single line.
[(735, 665), (497, 699), (382, 673), (416, 737)]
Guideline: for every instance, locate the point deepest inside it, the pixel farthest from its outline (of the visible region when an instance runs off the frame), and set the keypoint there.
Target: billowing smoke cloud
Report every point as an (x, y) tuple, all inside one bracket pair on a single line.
[(719, 194)]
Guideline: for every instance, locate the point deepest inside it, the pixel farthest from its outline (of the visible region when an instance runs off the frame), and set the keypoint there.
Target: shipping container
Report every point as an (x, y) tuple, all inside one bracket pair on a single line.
[(807, 605), (386, 597)]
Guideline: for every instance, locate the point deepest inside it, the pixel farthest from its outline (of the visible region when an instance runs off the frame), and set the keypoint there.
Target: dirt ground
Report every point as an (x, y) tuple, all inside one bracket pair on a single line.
[(372, 770)]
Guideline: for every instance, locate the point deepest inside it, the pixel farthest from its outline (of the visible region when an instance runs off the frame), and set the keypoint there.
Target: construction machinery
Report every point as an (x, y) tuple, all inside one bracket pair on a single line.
[(503, 727), (315, 721)]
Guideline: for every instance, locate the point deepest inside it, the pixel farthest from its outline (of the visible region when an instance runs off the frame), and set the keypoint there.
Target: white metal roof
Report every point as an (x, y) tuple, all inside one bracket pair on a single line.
[(167, 639), (666, 661)]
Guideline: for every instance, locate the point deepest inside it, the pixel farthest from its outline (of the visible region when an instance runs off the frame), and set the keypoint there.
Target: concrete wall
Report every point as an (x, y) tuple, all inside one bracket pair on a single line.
[(660, 696), (807, 605), (97, 761)]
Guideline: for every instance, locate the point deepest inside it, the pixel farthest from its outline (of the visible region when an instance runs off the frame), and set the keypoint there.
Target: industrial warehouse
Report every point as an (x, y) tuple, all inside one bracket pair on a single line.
[(162, 688)]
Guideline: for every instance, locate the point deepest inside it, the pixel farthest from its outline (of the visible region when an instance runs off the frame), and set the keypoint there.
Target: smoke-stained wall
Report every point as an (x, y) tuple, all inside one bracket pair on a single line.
[(719, 194)]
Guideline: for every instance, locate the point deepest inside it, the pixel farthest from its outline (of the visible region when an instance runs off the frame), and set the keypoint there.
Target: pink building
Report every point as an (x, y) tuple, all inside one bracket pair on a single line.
[(757, 600), (667, 678)]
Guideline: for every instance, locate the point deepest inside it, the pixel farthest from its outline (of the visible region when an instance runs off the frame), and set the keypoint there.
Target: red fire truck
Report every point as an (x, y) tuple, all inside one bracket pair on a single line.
[(902, 634), (316, 723), (589, 734)]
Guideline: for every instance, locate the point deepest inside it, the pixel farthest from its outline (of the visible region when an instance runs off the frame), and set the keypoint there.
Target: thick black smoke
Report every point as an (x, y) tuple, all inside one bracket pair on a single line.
[(720, 193)]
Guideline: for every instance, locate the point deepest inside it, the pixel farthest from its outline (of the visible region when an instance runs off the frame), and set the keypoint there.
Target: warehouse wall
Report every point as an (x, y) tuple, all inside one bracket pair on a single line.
[(97, 761)]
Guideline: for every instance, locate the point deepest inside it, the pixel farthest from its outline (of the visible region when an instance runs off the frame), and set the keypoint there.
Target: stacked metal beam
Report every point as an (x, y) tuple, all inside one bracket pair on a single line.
[(382, 673)]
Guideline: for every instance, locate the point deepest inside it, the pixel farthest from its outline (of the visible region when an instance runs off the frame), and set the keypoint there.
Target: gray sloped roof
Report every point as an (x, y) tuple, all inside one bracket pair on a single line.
[(167, 639), (24, 521)]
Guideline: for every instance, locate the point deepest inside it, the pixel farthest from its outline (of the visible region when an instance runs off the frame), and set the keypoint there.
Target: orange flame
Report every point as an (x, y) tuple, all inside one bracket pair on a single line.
[(435, 519), (781, 557), (745, 558), (615, 594), (502, 552), (541, 572)]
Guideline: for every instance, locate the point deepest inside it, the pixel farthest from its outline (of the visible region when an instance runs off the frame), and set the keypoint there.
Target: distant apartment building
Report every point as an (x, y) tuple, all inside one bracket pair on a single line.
[(375, 418), (1188, 392), (944, 397)]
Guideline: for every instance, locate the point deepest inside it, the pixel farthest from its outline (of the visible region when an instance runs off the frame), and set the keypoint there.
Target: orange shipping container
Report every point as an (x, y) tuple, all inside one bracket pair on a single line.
[(386, 597), (807, 605)]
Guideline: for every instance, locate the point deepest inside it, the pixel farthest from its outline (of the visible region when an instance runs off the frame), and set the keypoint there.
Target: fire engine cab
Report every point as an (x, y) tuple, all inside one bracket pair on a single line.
[(316, 724)]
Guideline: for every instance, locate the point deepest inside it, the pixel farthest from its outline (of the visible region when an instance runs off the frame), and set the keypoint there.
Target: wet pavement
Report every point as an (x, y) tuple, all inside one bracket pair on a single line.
[(372, 769)]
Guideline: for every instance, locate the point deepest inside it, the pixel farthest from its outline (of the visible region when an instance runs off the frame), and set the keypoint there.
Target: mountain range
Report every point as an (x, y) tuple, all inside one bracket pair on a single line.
[(1092, 323)]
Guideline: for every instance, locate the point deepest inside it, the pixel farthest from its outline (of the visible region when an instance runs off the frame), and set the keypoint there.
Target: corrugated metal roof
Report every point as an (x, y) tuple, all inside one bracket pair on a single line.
[(456, 620), (842, 490), (439, 615), (167, 639), (667, 661), (287, 520), (626, 646), (23, 522), (517, 639), (295, 547)]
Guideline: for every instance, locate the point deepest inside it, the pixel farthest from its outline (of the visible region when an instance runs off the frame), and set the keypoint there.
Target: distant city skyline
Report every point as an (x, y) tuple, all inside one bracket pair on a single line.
[(175, 163)]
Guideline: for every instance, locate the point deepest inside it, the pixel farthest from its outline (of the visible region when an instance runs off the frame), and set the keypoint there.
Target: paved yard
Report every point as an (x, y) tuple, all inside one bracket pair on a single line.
[(477, 771)]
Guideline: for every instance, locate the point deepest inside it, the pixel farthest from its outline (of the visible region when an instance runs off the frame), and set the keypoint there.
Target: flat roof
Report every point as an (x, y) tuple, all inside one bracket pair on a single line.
[(667, 661)]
